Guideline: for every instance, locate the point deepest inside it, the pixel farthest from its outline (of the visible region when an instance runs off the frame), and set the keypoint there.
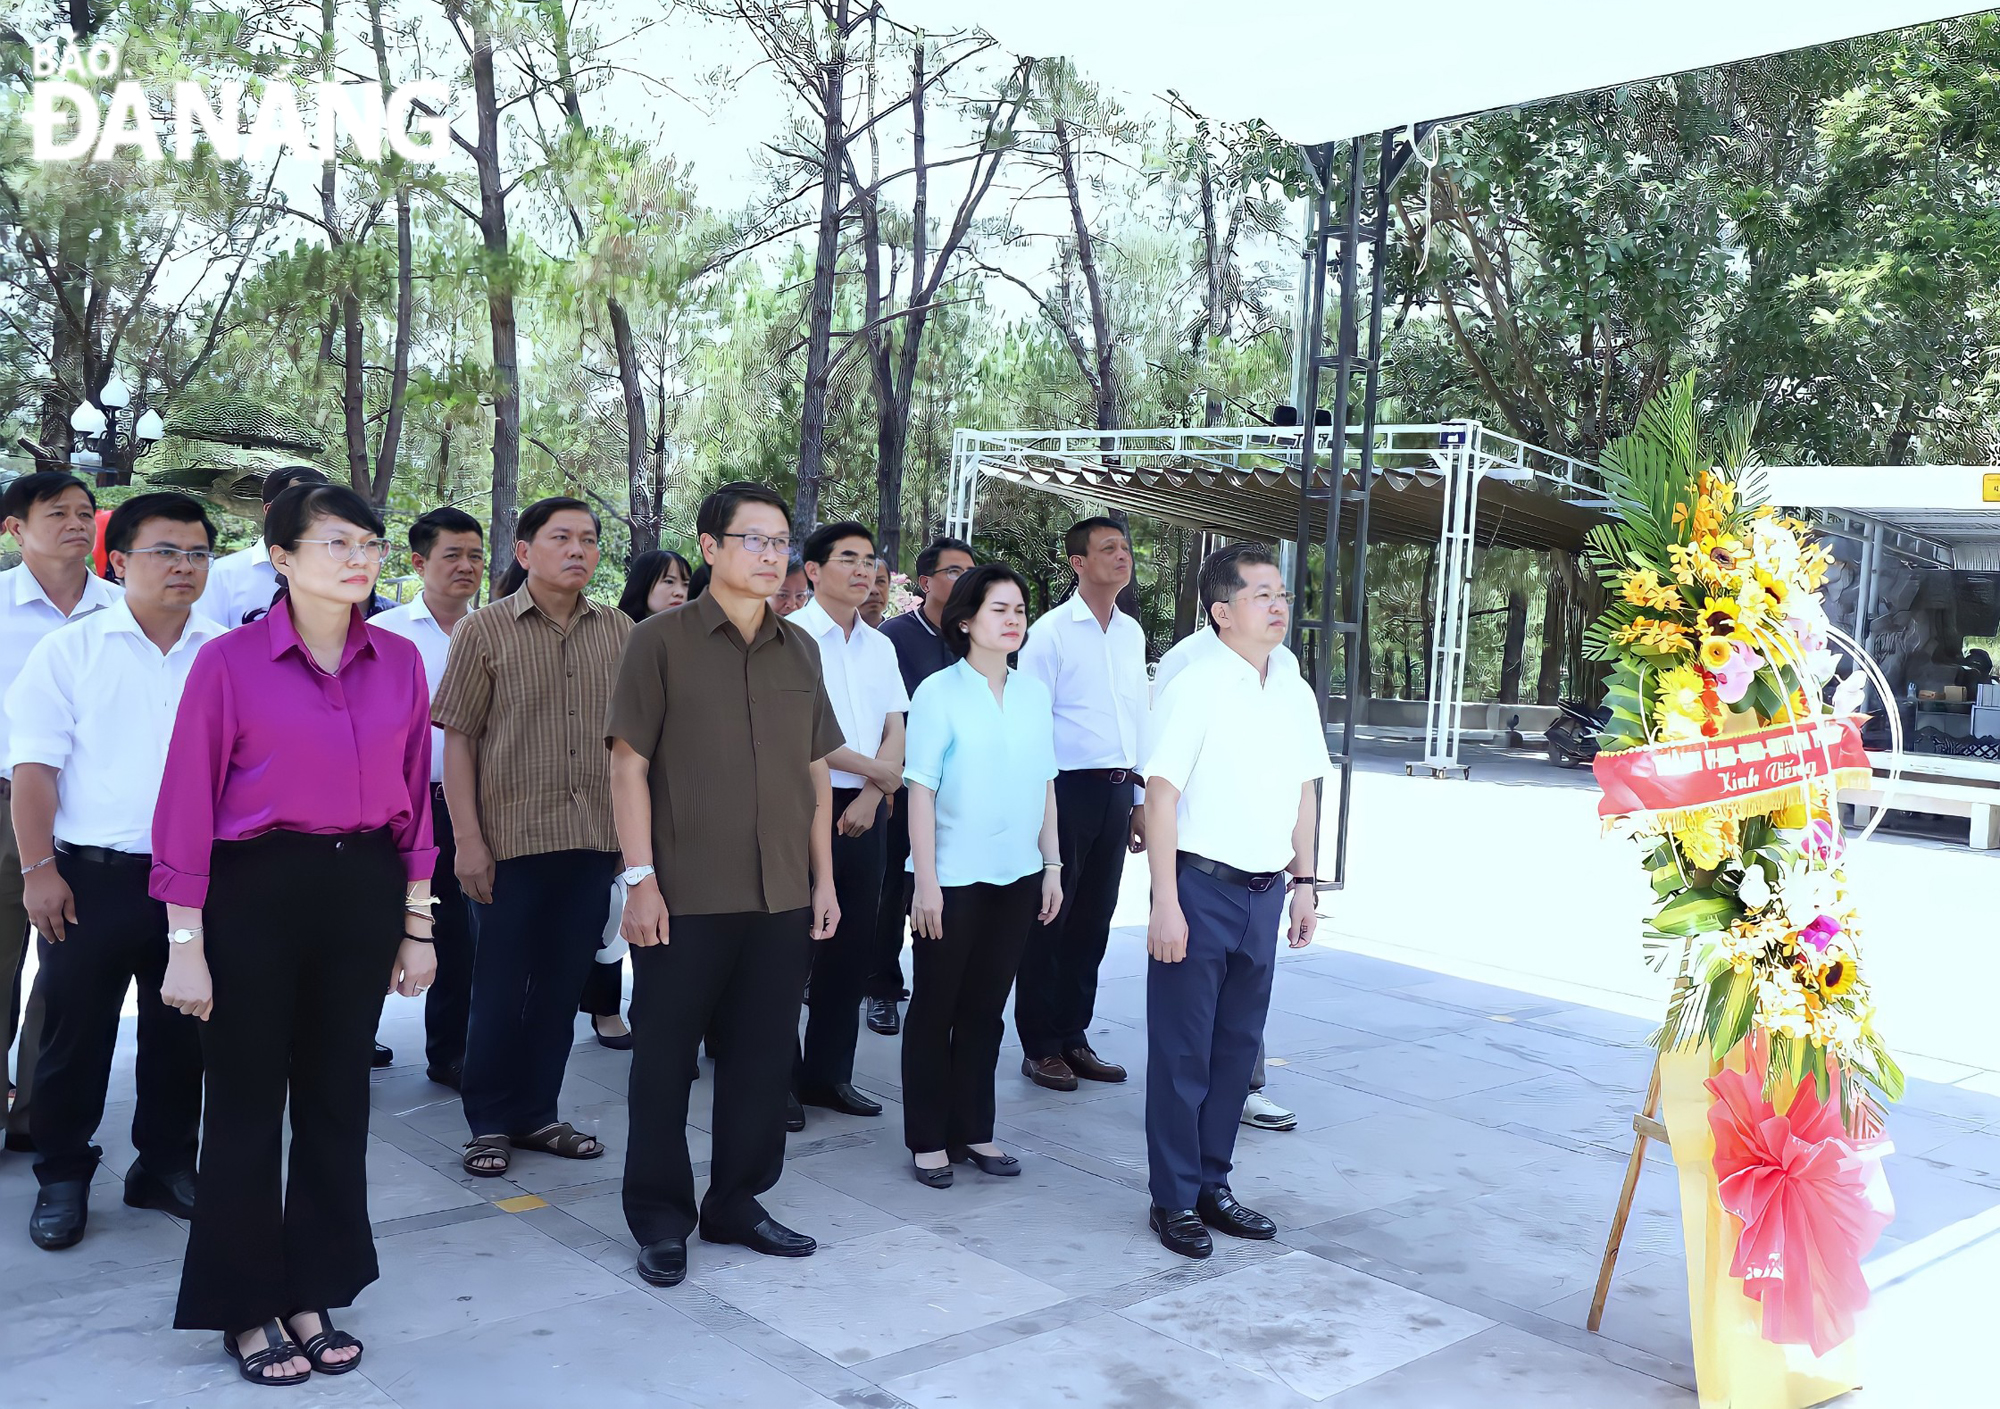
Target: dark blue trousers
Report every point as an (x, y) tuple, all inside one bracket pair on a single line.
[(1204, 1022)]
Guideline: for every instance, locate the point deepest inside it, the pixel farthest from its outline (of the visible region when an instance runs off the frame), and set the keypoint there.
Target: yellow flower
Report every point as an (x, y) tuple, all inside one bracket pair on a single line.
[(1658, 636), (1679, 711), (1715, 653), (1685, 559), (1642, 588), (1791, 818), (1720, 560), (1837, 976), (1722, 619), (1773, 590), (1706, 838)]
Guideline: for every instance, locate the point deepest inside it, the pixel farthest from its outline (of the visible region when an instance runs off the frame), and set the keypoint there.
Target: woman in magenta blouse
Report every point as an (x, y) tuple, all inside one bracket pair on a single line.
[(292, 846)]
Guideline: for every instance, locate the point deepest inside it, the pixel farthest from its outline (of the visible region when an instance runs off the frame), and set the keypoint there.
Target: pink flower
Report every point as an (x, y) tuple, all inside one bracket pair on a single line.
[(1820, 932), (1732, 682)]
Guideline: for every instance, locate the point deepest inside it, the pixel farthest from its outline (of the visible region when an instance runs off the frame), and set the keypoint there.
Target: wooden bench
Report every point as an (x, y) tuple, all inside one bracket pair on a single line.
[(1949, 787)]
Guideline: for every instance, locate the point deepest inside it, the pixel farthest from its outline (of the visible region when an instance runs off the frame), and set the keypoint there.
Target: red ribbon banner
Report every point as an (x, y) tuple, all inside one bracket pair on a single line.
[(1732, 772)]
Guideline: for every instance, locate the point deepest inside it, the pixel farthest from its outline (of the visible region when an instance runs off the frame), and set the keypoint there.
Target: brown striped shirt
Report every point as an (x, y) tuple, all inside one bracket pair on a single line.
[(532, 695)]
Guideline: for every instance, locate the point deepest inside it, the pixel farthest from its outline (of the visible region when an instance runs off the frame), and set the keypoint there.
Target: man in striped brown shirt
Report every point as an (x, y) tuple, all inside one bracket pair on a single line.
[(522, 704)]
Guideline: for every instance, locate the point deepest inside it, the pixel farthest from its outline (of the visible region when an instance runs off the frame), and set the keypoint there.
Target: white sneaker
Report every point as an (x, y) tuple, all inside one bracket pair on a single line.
[(1264, 1113)]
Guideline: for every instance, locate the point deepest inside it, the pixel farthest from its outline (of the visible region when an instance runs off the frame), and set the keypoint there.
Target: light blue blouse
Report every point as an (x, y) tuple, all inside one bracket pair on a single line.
[(990, 768)]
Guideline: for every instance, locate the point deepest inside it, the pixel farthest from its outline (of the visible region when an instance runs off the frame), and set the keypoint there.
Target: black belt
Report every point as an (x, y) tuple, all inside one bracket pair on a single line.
[(1256, 882), (437, 792), (1109, 775), (104, 855)]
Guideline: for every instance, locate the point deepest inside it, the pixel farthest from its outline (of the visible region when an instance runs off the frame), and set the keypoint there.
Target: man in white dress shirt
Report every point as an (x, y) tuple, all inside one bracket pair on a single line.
[(448, 551), (1232, 818), (244, 581), (865, 684), (1092, 658), (53, 517), (91, 714)]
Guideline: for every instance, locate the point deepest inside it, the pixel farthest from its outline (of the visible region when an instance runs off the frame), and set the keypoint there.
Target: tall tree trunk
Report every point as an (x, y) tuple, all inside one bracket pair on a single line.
[(1548, 682), (499, 303), (819, 316), (1512, 646), (1102, 349), (353, 400), (399, 374)]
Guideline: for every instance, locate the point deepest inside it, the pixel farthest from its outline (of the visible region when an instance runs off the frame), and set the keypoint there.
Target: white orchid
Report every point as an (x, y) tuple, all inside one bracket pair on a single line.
[(1754, 891)]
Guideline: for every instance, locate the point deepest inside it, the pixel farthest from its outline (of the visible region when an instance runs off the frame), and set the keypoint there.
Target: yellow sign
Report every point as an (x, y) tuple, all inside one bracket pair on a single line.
[(1989, 488)]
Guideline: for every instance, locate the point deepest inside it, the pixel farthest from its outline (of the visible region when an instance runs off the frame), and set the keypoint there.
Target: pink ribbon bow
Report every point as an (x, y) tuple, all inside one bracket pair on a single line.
[(1812, 1201)]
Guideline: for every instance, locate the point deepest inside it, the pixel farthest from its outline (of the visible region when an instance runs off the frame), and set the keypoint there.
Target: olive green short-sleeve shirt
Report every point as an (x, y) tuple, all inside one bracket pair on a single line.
[(731, 732)]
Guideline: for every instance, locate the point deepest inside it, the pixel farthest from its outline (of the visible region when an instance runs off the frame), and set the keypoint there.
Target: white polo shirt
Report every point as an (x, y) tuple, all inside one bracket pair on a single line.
[(413, 622), (1096, 675), (27, 615), (96, 701), (1239, 749), (1203, 643), (863, 680), (239, 583)]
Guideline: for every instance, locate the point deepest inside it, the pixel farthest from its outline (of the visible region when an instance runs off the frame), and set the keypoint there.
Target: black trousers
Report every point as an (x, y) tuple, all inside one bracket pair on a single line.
[(735, 978), (958, 999), (892, 913), (534, 945), (603, 989), (841, 963), (1057, 994), (119, 934), (301, 941), (447, 1006)]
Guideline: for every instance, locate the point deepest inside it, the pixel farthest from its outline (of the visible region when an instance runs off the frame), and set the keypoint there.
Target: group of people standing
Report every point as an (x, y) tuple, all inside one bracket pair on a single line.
[(269, 822)]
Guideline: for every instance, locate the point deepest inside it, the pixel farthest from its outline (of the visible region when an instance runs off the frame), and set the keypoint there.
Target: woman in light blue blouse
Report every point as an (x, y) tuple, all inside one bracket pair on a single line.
[(980, 760)]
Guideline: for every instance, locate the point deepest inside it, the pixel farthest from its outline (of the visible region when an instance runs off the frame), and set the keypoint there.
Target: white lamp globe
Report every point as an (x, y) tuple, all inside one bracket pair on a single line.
[(116, 395), (150, 427), (87, 419)]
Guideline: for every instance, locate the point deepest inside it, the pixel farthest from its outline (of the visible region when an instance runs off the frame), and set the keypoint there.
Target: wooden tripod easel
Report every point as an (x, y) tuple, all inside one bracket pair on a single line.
[(1646, 1126)]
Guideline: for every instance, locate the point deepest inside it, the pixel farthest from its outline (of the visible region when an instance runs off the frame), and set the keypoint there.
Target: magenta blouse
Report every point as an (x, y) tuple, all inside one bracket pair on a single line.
[(265, 740)]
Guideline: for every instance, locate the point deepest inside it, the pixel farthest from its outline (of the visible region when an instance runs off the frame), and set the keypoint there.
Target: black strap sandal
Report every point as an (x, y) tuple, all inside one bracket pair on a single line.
[(561, 1139), (278, 1348), (487, 1156), (328, 1338)]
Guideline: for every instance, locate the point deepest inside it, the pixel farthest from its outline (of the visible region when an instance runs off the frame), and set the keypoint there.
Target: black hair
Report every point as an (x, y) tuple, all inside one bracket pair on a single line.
[(38, 488), (285, 476), (123, 525), (1076, 542), (537, 514), (293, 512), (819, 547), (424, 532), (718, 510), (795, 566), (968, 595), (1222, 574), (698, 583), (644, 575), (512, 580), (927, 560)]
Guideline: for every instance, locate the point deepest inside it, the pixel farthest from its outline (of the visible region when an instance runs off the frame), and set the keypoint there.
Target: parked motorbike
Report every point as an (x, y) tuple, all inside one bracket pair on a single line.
[(1572, 735)]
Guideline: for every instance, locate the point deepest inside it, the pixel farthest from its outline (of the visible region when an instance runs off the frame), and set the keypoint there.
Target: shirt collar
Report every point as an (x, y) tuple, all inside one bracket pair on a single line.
[(816, 621), (195, 630), (713, 618), (521, 601), (96, 591), (285, 635), (1079, 610)]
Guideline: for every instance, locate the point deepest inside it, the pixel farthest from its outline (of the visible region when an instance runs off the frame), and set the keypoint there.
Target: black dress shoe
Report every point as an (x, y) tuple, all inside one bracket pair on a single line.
[(883, 1017), (384, 1056), (932, 1178), (20, 1142), (1091, 1067), (769, 1237), (843, 1098), (1180, 1231), (61, 1210), (452, 1076), (1005, 1166), (795, 1115), (169, 1193), (1219, 1210), (664, 1263)]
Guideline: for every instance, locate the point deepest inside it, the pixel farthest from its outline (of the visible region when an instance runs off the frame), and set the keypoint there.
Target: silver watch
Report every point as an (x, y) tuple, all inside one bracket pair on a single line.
[(632, 875)]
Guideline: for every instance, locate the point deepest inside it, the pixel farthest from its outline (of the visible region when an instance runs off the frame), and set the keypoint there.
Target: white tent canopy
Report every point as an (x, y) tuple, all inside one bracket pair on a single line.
[(1324, 70), (1938, 515)]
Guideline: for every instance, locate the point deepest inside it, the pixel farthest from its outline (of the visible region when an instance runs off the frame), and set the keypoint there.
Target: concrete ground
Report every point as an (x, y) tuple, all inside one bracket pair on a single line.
[(1464, 1049)]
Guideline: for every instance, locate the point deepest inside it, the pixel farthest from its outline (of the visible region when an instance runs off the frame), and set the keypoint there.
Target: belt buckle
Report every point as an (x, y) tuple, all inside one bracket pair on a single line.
[(1260, 884)]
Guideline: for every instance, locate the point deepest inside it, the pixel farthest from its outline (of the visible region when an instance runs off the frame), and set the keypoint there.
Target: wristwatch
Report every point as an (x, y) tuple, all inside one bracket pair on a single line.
[(183, 936), (632, 875), (1298, 881)]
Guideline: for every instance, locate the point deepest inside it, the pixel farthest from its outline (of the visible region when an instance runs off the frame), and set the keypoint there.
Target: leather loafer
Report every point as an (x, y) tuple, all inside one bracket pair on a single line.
[(795, 1114), (452, 1076), (1001, 1166), (384, 1056), (664, 1263), (169, 1193), (769, 1237), (1091, 1067), (61, 1210), (843, 1098), (883, 1017), (1219, 1210), (1180, 1231), (1051, 1073)]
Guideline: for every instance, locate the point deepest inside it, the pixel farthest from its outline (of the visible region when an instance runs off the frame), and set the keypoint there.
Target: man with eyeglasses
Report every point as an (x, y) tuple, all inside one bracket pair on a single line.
[(865, 684), (244, 582), (720, 732), (921, 653), (527, 785), (92, 713), (1232, 831), (795, 592)]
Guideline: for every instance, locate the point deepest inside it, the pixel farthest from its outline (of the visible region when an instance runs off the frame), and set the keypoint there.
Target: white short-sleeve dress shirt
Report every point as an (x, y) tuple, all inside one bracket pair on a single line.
[(414, 622), (1096, 677), (238, 583), (1239, 749), (96, 702), (989, 765), (27, 615), (863, 680)]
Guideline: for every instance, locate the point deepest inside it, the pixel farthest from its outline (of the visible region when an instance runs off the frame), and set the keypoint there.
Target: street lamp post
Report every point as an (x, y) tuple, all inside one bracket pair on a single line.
[(101, 444)]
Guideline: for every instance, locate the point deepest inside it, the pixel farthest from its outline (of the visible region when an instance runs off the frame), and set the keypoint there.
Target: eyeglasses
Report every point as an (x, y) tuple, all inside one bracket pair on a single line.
[(170, 557), (847, 561), (344, 550), (1266, 598), (951, 574), (762, 542)]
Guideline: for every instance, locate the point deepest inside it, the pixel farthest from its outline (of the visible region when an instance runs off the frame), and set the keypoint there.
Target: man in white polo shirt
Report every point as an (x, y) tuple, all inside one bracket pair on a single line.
[(448, 550), (91, 714), (1232, 821), (244, 581), (53, 517), (865, 684)]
